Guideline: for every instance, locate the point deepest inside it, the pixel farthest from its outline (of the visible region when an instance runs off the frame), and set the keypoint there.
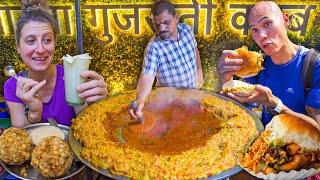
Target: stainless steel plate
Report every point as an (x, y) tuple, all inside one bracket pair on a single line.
[(76, 147), (15, 170)]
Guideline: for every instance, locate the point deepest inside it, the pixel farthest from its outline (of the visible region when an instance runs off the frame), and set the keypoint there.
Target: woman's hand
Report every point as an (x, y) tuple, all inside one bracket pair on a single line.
[(94, 89), (27, 91), (230, 62)]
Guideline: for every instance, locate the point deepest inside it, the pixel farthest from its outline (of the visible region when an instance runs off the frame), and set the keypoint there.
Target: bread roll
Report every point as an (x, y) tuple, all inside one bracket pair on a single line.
[(252, 62), (289, 129), (239, 88)]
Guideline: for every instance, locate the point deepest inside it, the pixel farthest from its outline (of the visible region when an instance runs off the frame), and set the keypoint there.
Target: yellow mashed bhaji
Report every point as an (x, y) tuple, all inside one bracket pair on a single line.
[(218, 153)]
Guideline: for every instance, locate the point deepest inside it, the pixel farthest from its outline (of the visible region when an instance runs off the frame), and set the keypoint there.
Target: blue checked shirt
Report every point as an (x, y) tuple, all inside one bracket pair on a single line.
[(172, 62)]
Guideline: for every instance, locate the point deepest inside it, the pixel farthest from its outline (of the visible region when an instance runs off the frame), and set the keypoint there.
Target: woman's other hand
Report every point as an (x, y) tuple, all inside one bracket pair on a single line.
[(94, 89), (262, 95)]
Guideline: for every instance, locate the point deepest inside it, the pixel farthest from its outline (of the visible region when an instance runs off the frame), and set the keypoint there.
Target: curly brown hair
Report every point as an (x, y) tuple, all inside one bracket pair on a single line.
[(34, 10)]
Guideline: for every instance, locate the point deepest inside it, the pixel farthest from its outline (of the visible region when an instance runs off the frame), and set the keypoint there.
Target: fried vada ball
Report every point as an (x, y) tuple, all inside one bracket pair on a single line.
[(15, 146), (52, 157)]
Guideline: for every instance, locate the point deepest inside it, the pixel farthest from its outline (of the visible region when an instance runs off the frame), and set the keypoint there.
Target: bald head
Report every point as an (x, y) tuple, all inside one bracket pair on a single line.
[(265, 7), (268, 27)]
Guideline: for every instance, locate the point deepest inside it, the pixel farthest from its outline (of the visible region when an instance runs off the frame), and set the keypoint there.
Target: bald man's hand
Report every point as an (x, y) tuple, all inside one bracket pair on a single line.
[(262, 95), (230, 62)]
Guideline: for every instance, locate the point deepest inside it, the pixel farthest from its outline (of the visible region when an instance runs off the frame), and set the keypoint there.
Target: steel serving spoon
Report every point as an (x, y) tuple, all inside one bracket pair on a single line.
[(139, 120), (9, 71)]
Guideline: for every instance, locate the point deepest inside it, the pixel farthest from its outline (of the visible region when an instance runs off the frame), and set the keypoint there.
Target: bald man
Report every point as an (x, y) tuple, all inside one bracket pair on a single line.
[(279, 89)]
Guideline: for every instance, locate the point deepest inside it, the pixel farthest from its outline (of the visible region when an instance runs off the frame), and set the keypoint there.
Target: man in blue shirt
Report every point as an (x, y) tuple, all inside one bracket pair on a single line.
[(280, 88), (171, 55)]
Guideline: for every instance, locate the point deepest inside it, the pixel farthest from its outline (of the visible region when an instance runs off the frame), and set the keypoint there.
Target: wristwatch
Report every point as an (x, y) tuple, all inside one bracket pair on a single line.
[(276, 110)]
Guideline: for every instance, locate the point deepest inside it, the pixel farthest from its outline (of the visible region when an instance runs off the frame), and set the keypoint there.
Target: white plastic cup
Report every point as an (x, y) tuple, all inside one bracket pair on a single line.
[(73, 67)]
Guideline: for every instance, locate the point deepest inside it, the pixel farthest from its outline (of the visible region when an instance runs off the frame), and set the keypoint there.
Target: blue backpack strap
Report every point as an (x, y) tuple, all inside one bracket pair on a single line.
[(307, 69)]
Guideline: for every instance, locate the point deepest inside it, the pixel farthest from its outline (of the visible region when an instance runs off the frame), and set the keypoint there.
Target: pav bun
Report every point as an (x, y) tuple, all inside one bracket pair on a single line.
[(239, 88), (289, 129), (252, 62)]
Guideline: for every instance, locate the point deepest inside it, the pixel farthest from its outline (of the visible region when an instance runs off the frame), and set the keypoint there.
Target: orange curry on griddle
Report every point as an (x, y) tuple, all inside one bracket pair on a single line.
[(169, 128)]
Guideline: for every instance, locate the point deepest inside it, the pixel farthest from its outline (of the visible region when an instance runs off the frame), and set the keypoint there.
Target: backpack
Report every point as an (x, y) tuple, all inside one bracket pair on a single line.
[(307, 69)]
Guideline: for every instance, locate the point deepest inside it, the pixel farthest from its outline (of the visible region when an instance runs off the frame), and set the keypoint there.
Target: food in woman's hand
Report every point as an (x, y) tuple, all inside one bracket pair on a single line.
[(252, 62), (40, 133), (52, 157), (288, 143), (15, 146), (239, 88)]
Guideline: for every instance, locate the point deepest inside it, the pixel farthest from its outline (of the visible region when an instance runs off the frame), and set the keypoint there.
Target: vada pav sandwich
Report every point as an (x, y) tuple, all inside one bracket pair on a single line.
[(15, 146), (239, 88), (252, 62), (289, 148)]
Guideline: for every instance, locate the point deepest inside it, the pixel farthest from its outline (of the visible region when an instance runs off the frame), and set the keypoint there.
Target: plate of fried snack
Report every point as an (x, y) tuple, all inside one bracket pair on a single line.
[(289, 148), (38, 151)]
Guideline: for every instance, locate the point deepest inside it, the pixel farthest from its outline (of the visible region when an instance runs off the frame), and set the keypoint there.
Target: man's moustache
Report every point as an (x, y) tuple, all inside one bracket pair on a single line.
[(162, 32)]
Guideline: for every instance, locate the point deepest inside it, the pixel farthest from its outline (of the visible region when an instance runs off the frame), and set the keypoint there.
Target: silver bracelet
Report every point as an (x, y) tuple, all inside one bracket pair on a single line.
[(29, 120), (134, 105)]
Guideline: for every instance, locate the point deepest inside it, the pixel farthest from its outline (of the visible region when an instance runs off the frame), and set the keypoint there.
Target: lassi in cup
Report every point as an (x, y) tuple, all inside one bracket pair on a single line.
[(73, 67)]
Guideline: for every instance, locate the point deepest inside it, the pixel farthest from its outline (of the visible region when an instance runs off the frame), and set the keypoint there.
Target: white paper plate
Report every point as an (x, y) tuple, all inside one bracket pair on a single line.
[(303, 173)]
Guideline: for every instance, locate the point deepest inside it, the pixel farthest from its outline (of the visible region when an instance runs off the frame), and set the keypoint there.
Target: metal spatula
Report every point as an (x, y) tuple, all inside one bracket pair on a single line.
[(9, 71)]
